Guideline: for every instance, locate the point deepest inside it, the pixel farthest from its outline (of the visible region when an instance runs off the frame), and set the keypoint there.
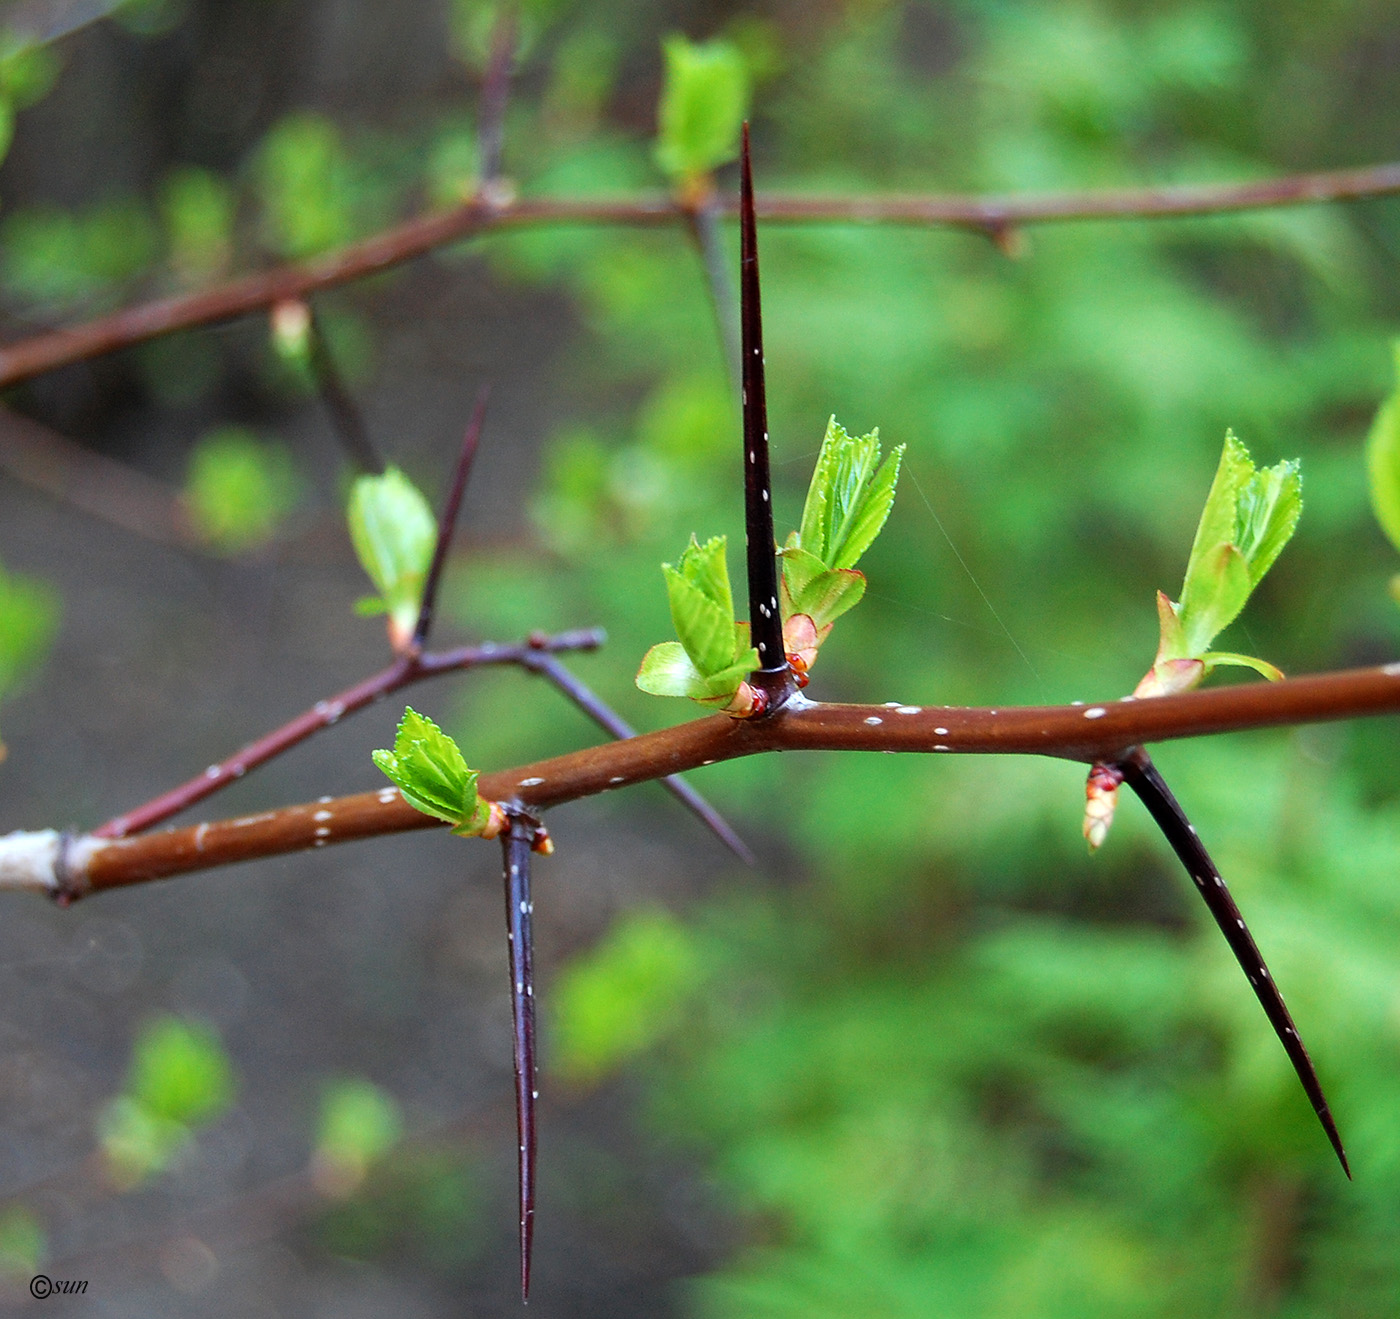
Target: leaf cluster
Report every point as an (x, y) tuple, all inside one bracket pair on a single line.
[(1249, 516), (428, 767)]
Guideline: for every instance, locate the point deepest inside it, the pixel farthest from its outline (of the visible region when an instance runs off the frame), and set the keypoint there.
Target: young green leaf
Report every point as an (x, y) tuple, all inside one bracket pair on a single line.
[(848, 501), (849, 497), (713, 657), (702, 107), (702, 604), (393, 530), (1249, 517), (1383, 460), (429, 769)]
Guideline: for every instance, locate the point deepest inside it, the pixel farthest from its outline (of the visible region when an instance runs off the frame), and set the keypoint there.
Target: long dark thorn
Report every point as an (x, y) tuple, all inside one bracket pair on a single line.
[(1164, 808), (347, 420), (702, 221), (495, 92), (447, 523), (605, 717), (516, 844), (774, 677)]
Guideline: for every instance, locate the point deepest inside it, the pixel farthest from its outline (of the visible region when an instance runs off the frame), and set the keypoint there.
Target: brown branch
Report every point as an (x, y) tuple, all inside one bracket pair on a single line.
[(489, 211), (92, 482), (407, 669), (71, 867), (607, 719)]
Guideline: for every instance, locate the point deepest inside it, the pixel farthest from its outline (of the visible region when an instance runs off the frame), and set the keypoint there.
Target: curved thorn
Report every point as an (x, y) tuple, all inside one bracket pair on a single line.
[(516, 843), (1145, 780)]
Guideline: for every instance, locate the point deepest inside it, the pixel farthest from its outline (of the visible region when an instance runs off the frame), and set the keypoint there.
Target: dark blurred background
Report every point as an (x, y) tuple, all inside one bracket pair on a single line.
[(929, 1058)]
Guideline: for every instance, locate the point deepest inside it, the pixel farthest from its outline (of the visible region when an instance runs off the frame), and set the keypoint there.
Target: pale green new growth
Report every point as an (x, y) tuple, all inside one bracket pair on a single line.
[(713, 655), (702, 107), (394, 532), (359, 1124), (239, 490), (847, 504), (1383, 460), (429, 769), (849, 497), (1250, 515)]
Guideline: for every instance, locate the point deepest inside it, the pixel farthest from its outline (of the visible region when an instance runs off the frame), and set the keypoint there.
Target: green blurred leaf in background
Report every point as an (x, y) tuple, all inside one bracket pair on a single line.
[(393, 531), (358, 1125), (702, 108), (180, 1080), (240, 490)]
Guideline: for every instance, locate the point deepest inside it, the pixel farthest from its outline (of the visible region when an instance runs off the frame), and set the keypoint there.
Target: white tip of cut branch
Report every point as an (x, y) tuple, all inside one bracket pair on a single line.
[(30, 861)]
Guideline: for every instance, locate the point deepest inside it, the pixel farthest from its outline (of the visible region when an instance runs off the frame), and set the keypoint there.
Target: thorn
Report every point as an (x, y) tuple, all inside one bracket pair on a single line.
[(448, 521), (516, 844), (773, 676), (1145, 780)]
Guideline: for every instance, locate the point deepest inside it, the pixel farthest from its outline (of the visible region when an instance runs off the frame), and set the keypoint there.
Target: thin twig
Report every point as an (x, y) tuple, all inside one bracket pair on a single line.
[(488, 211), (702, 223), (1145, 780), (401, 673), (71, 867), (92, 482), (495, 94), (773, 678), (603, 715), (447, 523), (347, 420)]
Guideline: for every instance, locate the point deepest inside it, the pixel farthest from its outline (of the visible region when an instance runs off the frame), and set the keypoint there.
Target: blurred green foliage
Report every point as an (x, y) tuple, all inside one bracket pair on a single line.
[(702, 107), (952, 1066), (358, 1125), (22, 1244), (179, 1080), (239, 489), (28, 616)]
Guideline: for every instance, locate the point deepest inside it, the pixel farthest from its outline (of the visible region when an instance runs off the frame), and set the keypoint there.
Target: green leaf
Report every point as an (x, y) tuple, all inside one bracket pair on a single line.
[(702, 604), (668, 671), (1248, 518), (702, 107), (198, 208), (239, 490), (179, 1072), (1383, 460), (303, 176), (1217, 524), (429, 769), (849, 497), (359, 1124), (1214, 657), (1267, 514), (137, 1142), (809, 587), (1214, 597), (394, 532)]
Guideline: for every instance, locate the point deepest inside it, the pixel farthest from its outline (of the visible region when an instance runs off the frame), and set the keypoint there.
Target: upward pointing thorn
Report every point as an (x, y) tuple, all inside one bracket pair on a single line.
[(774, 677)]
